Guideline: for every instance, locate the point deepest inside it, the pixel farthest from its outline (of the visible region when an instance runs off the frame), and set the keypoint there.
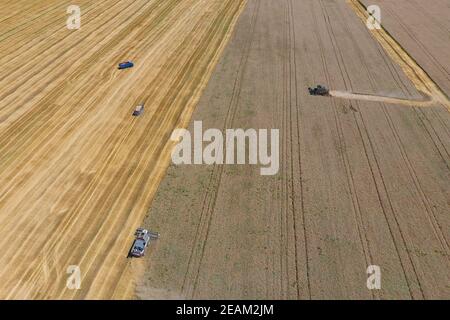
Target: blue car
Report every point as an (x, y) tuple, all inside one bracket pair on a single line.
[(126, 65)]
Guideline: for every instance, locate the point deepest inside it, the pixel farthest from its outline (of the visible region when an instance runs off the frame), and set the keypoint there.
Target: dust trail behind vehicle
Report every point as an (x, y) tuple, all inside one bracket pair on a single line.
[(383, 99), (410, 67)]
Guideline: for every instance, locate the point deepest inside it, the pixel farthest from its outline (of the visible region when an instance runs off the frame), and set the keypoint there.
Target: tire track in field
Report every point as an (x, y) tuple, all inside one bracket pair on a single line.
[(431, 215), (362, 234), (293, 80), (191, 277), (399, 144), (362, 128), (420, 44), (430, 18), (284, 252), (436, 62), (287, 205), (284, 156), (439, 233), (419, 111), (293, 68), (413, 71), (430, 211), (444, 153)]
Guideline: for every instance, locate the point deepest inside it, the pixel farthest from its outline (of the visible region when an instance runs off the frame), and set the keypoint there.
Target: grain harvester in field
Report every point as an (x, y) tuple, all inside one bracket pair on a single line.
[(319, 91), (141, 241)]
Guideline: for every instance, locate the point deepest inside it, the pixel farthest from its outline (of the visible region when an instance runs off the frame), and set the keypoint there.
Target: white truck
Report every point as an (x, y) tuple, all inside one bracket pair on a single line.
[(138, 110)]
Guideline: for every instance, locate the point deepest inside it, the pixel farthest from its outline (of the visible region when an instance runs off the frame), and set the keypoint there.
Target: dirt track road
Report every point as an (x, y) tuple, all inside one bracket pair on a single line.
[(360, 182), (77, 172)]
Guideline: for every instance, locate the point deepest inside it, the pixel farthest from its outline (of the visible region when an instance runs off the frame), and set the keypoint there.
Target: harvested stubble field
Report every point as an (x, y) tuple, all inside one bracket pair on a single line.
[(361, 182), (77, 171)]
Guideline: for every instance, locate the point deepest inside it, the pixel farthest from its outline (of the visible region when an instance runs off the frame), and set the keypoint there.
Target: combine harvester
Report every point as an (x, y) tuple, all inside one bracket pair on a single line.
[(319, 91), (141, 241)]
